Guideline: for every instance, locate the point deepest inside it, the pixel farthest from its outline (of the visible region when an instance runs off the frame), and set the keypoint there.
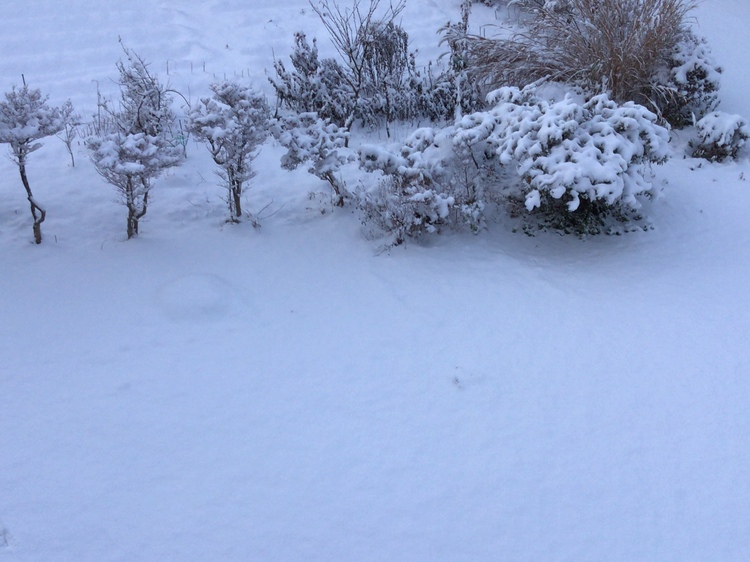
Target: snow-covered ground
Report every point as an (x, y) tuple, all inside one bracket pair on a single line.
[(213, 392)]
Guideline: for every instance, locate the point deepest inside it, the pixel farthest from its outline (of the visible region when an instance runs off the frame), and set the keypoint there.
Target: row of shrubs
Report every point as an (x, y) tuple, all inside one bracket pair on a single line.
[(567, 147)]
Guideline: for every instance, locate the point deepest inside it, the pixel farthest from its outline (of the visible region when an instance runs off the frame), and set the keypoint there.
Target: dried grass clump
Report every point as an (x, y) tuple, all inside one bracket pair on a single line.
[(618, 45)]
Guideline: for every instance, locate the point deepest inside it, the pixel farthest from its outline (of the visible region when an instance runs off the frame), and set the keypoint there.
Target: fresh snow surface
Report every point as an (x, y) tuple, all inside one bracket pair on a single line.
[(225, 393)]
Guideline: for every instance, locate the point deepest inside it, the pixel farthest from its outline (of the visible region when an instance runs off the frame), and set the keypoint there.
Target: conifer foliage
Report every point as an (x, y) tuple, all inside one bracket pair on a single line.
[(313, 85)]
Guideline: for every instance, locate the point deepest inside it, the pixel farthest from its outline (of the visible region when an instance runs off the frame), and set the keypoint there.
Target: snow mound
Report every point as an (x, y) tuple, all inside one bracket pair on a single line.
[(198, 297)]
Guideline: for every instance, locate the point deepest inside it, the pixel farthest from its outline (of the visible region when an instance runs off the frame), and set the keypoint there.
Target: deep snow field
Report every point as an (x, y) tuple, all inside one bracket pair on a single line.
[(208, 392)]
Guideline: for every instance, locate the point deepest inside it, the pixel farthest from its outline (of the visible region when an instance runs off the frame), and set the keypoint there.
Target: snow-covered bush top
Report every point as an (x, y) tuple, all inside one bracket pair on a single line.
[(693, 54), (26, 117), (569, 148), (133, 155), (720, 136), (427, 153), (309, 138)]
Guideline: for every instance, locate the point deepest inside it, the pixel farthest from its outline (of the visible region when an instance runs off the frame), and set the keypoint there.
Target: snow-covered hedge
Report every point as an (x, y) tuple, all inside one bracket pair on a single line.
[(720, 136)]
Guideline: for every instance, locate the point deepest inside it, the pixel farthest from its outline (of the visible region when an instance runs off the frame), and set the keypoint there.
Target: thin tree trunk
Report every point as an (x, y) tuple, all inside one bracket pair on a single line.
[(130, 204), (37, 212), (234, 198), (144, 206), (134, 212), (132, 222), (72, 158), (134, 215), (331, 179), (237, 195)]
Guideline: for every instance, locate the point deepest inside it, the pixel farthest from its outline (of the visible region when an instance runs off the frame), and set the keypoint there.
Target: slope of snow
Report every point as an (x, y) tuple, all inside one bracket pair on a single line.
[(218, 392)]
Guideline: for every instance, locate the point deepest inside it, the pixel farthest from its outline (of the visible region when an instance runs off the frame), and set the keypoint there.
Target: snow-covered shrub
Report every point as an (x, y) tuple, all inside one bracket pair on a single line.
[(135, 143), (405, 203), (720, 136), (437, 93), (463, 173), (571, 164), (427, 184), (313, 85), (404, 208), (691, 88), (577, 160), (232, 124), (321, 144), (25, 118), (377, 81), (355, 33), (465, 92), (299, 89), (388, 68)]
